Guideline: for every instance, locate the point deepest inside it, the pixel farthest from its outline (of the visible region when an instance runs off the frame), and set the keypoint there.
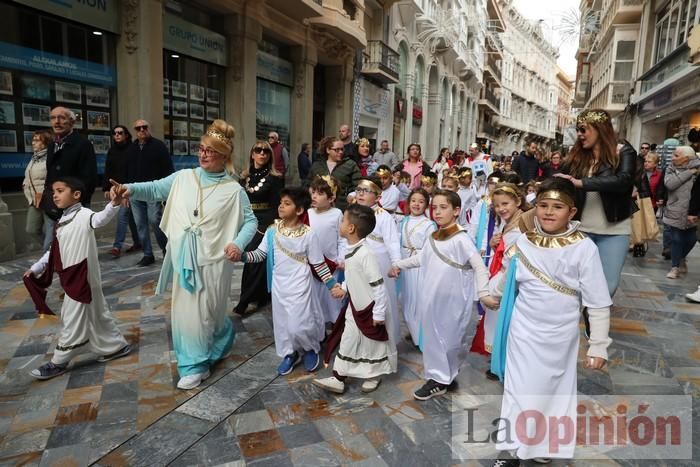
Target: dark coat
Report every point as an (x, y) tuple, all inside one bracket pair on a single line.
[(150, 162), (116, 165), (346, 172), (74, 158), (526, 166)]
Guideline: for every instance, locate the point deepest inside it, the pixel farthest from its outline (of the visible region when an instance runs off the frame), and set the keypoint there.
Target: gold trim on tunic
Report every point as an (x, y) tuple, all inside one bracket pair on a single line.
[(544, 278), (447, 232), (444, 258), (376, 238), (560, 241), (291, 254), (291, 232)]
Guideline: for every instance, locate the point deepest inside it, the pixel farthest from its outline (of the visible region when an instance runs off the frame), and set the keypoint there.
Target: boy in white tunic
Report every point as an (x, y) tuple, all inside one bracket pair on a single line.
[(87, 323), (449, 258), (325, 221), (365, 349), (290, 247), (384, 241), (467, 195), (553, 267), (390, 193)]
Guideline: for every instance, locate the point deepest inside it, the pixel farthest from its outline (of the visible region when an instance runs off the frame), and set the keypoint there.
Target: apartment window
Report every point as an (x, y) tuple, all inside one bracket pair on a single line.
[(624, 60), (673, 23)]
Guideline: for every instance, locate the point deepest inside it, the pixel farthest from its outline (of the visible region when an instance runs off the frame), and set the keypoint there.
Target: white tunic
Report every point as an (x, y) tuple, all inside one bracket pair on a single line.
[(296, 313), (544, 336), (414, 233), (326, 226), (447, 311), (469, 200), (359, 356), (87, 327), (384, 242), (390, 198)]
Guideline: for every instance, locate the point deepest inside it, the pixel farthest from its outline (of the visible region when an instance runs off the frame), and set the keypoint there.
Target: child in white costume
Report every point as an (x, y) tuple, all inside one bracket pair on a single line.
[(414, 231), (87, 323), (384, 242), (468, 196), (448, 258), (325, 221), (552, 267), (290, 247), (390, 193), (365, 348)]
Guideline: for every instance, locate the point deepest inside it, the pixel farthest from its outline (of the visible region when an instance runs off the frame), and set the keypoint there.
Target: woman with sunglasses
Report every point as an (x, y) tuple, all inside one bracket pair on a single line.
[(116, 169), (341, 167), (263, 183), (604, 180)]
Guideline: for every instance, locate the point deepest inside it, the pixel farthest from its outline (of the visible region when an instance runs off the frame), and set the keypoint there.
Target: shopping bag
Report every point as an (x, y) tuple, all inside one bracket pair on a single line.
[(644, 226)]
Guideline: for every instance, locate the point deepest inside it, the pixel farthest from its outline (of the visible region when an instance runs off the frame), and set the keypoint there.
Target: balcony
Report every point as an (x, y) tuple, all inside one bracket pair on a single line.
[(492, 70), (672, 64), (409, 9), (344, 25), (583, 92), (622, 12), (380, 63), (489, 101), (487, 131), (298, 10)]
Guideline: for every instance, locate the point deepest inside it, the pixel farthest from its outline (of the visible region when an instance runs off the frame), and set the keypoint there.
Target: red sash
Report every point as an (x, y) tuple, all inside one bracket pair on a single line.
[(363, 319)]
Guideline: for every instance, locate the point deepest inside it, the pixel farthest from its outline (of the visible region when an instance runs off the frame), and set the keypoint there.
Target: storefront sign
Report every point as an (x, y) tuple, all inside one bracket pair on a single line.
[(101, 14), (417, 114), (45, 63), (375, 100), (195, 41), (275, 69)]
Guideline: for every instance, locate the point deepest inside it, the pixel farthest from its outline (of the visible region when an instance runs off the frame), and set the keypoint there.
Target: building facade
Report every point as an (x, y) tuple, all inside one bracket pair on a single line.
[(565, 98), (529, 95)]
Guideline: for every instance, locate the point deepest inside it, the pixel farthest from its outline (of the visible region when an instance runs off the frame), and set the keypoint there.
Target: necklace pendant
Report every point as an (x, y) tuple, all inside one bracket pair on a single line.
[(195, 212)]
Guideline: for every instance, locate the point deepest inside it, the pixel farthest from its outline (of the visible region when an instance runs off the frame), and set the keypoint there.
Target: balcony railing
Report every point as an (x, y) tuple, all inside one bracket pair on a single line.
[(674, 63), (491, 97), (491, 62), (381, 62), (620, 93), (488, 129)]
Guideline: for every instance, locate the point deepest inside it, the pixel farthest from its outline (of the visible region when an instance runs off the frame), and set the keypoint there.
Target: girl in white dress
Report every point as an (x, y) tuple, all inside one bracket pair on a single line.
[(414, 230)]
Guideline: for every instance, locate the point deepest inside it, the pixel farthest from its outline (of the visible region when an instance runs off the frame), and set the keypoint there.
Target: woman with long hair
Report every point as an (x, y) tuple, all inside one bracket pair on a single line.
[(442, 162), (365, 160), (263, 183), (414, 165), (340, 166), (604, 180)]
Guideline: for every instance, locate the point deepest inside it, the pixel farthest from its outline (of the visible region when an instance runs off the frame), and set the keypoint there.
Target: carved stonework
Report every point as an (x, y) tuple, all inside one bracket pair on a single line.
[(332, 47), (130, 26), (299, 76)]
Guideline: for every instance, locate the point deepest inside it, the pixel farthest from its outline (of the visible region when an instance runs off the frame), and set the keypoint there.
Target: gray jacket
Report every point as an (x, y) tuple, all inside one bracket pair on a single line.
[(679, 182)]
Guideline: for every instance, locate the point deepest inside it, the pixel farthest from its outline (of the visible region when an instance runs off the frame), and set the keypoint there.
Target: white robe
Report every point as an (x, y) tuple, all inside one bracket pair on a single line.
[(446, 311), (297, 317), (326, 226), (359, 356), (544, 336), (87, 327), (390, 198), (385, 243), (414, 233), (469, 200)]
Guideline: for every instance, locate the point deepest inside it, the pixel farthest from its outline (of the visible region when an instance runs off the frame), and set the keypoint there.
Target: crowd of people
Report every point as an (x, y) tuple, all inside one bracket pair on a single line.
[(369, 241)]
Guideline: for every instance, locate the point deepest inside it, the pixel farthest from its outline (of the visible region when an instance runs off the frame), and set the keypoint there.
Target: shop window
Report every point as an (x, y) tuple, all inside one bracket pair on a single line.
[(77, 47), (624, 61), (51, 36)]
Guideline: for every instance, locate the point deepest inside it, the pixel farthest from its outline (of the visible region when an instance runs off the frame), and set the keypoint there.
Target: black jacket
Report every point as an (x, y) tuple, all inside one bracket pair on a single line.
[(526, 166), (74, 158), (614, 186), (116, 165), (152, 162), (694, 206)]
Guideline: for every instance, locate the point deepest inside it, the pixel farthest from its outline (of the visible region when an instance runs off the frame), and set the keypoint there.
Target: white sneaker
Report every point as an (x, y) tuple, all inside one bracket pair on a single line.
[(695, 296), (674, 273), (370, 385), (331, 384), (192, 381)]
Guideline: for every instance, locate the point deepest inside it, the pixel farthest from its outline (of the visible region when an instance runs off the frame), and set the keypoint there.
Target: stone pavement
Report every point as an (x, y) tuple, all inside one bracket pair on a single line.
[(128, 412)]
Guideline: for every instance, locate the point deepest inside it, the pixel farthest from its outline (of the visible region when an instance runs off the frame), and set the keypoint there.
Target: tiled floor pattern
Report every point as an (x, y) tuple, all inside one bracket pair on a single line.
[(128, 412)]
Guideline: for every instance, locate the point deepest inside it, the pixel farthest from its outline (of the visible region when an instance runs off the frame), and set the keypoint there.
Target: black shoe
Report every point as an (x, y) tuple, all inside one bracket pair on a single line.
[(492, 376), (507, 463), (146, 261), (49, 370), (666, 254), (430, 390)]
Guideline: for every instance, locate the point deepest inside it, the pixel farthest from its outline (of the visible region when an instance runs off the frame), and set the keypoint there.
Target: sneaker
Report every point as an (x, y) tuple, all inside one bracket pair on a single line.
[(683, 268), (133, 248), (192, 381), (115, 252), (331, 384), (492, 376), (311, 361), (507, 463), (429, 390), (542, 460), (674, 273), (49, 370), (124, 351), (288, 364), (370, 385), (146, 261), (694, 297)]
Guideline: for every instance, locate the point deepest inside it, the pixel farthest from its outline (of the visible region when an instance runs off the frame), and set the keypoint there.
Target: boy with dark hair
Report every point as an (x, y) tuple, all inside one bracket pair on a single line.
[(87, 324), (290, 247), (364, 347)]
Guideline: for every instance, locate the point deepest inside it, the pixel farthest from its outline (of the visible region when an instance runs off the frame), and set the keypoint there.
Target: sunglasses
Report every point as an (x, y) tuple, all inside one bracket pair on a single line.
[(261, 151), (580, 129), (117, 132), (141, 128)]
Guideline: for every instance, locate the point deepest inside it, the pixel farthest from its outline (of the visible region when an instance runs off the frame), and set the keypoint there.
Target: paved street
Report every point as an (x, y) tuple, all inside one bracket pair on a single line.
[(128, 412)]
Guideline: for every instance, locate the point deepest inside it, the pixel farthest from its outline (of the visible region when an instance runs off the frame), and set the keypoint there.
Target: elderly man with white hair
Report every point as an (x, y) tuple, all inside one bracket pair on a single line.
[(70, 154), (679, 179)]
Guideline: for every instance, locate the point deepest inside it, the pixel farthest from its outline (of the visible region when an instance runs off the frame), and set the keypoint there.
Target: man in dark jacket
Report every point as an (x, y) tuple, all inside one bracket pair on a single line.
[(526, 164), (304, 161), (70, 155), (149, 160)]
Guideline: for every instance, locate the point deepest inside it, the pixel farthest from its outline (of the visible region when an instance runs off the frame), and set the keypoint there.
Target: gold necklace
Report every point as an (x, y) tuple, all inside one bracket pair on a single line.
[(200, 201)]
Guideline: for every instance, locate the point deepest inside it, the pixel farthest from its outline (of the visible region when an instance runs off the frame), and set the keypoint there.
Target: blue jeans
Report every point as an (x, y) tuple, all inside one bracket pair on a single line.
[(613, 251), (667, 238), (125, 218), (682, 241), (145, 215)]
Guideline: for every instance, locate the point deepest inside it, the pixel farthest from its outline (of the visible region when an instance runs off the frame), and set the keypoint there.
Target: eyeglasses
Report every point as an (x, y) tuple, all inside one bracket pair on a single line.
[(141, 128), (117, 132), (259, 150), (364, 190), (209, 152), (645, 147), (337, 149), (580, 129)]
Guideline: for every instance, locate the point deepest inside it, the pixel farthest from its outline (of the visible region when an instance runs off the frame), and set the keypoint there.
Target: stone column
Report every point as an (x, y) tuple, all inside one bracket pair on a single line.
[(338, 96), (302, 109), (140, 64), (244, 35), (7, 246)]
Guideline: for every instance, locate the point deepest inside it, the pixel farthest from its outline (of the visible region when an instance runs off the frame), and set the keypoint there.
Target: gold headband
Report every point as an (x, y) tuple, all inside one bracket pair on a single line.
[(425, 180), (370, 186), (220, 136), (592, 117), (465, 172), (331, 183), (362, 141), (507, 189), (556, 195), (382, 173)]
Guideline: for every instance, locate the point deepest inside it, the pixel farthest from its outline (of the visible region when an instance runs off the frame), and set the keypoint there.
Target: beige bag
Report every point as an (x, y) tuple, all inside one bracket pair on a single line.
[(644, 226)]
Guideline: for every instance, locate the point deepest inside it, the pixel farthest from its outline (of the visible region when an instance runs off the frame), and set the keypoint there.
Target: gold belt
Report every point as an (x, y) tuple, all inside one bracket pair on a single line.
[(260, 206)]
